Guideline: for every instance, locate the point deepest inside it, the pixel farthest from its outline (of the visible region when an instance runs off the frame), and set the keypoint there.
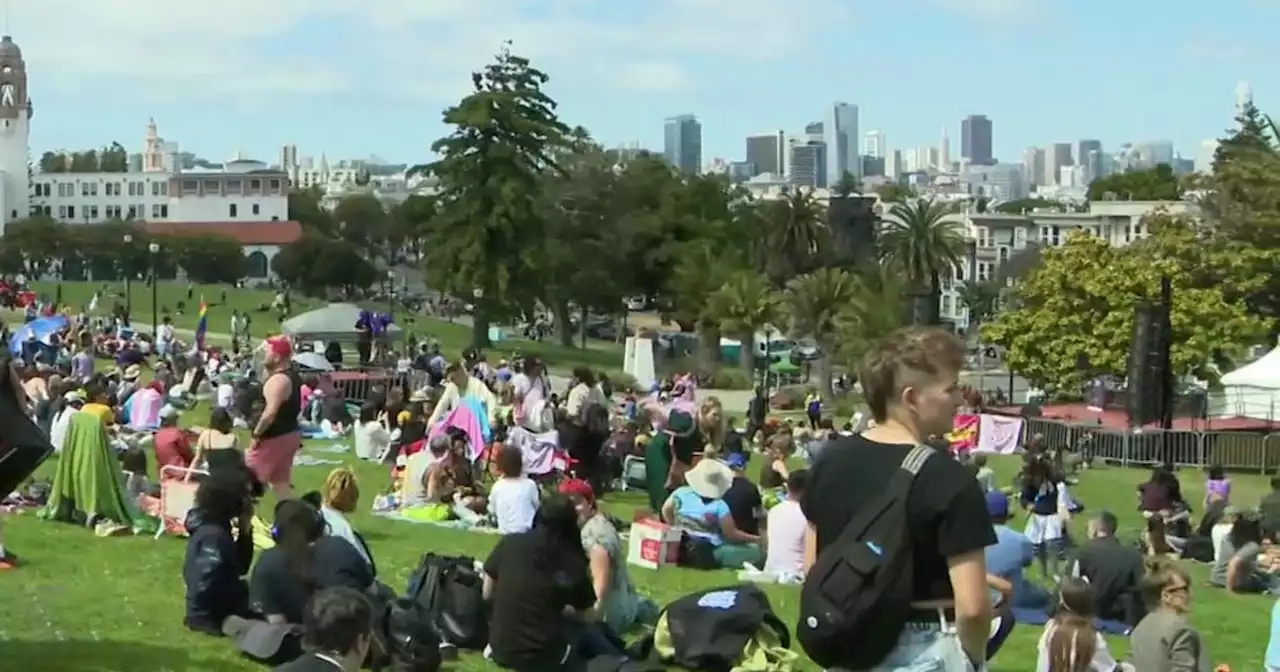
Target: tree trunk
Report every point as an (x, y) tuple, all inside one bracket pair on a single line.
[(582, 327), (564, 326), (747, 354), (822, 374), (479, 326), (708, 348)]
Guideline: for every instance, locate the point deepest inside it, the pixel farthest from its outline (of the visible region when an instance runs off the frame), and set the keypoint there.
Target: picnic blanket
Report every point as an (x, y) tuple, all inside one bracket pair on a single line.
[(309, 461), (451, 524)]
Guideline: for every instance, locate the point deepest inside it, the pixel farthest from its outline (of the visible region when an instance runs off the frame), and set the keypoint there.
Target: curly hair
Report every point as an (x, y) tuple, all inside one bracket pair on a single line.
[(341, 490)]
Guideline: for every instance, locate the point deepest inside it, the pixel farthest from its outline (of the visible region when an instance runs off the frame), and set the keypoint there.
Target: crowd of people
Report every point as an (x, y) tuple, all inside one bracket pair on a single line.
[(495, 447)]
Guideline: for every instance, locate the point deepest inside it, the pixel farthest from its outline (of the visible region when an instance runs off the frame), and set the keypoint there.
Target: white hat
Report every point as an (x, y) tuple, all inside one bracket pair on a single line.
[(133, 372), (710, 479), (169, 411), (538, 417), (73, 396)]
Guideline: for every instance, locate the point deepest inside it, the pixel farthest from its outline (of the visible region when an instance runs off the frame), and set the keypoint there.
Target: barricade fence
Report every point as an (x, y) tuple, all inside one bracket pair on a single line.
[(1240, 451)]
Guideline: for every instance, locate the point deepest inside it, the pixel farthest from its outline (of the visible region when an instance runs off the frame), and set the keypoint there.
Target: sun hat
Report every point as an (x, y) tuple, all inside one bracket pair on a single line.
[(710, 479), (132, 372), (418, 397)]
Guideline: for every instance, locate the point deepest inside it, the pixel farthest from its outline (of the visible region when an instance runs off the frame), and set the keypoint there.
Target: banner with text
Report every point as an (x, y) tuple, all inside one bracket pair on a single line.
[(998, 434)]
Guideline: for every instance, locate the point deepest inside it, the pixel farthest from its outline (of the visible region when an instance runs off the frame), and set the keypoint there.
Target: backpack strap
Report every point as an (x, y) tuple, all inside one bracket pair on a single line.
[(914, 461)]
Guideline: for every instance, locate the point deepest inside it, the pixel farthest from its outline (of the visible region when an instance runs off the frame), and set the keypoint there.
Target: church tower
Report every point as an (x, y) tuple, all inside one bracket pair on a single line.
[(15, 129), (152, 150)]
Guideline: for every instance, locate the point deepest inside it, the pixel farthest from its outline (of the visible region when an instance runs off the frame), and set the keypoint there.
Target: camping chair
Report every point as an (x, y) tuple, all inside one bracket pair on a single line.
[(177, 496)]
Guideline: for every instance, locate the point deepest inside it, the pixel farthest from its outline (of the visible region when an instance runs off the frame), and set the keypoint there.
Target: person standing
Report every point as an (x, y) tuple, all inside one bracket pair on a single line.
[(276, 438)]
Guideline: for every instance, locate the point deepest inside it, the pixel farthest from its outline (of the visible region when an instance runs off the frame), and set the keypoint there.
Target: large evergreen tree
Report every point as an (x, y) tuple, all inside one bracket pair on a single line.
[(486, 241)]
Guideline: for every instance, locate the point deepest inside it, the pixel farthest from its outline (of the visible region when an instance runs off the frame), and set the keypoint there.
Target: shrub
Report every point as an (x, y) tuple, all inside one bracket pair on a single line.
[(788, 398)]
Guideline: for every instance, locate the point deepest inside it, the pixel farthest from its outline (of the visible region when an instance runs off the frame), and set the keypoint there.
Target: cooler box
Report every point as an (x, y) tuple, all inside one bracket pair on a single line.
[(653, 544)]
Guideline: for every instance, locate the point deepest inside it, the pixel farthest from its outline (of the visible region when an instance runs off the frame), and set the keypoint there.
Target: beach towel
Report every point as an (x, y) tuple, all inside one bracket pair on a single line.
[(87, 487), (541, 452), (481, 413), (465, 419), (144, 410)]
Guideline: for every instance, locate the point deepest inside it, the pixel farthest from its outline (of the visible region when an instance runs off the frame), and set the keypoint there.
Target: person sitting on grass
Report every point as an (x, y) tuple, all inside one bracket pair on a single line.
[(450, 480), (619, 605), (302, 562), (698, 508), (1070, 641), (1012, 553), (371, 433), (217, 447), (787, 529), (217, 559), (513, 498), (338, 632), (1164, 639), (338, 498), (1246, 571)]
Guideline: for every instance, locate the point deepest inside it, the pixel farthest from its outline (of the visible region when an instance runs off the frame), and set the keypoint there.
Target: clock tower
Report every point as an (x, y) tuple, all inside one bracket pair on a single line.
[(15, 128)]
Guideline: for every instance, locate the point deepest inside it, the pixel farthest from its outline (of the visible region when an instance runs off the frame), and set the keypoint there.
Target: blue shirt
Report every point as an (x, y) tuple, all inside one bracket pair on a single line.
[(698, 516), (1007, 558)]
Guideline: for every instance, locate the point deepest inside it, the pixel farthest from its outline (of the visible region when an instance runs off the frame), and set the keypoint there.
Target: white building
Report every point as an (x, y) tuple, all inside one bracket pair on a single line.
[(840, 133), (15, 129)]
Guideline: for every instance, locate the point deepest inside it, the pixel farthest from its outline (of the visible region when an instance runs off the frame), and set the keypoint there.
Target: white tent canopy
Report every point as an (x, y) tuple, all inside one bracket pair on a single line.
[(335, 322), (1251, 391)]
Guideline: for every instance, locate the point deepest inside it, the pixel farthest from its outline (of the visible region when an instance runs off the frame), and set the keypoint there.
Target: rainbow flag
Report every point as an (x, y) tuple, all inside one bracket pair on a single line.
[(203, 326)]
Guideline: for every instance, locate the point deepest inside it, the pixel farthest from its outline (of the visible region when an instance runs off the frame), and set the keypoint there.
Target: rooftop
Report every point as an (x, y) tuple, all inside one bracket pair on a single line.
[(247, 233)]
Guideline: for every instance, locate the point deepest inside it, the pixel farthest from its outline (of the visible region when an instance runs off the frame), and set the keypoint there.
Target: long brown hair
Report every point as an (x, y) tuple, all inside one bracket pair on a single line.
[(1073, 641)]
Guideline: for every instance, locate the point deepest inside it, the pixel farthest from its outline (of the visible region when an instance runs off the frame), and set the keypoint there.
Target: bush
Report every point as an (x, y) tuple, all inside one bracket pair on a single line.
[(789, 398), (728, 379)]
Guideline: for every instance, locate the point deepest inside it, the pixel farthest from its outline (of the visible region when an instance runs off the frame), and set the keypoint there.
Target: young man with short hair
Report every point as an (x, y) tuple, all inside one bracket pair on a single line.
[(1113, 569), (338, 627), (911, 385)]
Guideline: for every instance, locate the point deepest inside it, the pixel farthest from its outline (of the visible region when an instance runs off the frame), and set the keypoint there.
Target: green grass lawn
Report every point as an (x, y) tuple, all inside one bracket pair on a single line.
[(79, 603), (453, 337)]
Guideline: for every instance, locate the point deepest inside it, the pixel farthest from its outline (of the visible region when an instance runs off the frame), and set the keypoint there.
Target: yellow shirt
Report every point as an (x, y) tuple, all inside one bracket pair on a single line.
[(104, 413)]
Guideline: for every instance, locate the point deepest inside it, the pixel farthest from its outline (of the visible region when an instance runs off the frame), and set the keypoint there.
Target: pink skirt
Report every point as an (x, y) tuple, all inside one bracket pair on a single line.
[(272, 459)]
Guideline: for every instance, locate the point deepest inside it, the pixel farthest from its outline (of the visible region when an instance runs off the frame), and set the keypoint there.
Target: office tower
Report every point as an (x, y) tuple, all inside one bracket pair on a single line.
[(840, 132), (767, 153), (893, 165), (874, 145), (1244, 96), (975, 140), (1089, 158), (1056, 156), (808, 164), (813, 128), (1154, 153), (682, 143), (944, 156), (1033, 163)]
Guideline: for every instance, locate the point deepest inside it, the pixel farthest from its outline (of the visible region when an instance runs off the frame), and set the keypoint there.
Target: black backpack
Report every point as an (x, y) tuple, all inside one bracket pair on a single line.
[(452, 593), (857, 596), (410, 638)]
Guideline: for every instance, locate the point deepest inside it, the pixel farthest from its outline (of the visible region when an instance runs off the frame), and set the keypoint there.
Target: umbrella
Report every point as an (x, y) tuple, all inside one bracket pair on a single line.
[(312, 360), (41, 328)]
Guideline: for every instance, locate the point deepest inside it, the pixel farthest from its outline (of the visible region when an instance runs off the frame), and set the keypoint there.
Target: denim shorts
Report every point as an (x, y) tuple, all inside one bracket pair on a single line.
[(925, 647)]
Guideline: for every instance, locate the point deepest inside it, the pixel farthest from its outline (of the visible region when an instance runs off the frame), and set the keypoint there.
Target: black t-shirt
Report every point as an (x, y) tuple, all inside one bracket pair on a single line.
[(275, 588), (946, 510), (745, 504), (1113, 570), (527, 626)]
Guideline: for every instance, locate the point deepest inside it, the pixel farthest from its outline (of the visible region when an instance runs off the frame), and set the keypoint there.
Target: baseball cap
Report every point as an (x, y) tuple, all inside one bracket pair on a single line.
[(280, 346), (997, 505), (168, 411), (736, 461)]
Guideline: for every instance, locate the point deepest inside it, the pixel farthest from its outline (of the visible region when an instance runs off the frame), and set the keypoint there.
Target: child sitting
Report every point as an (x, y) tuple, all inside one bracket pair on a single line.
[(1070, 637), (1217, 487), (513, 499)]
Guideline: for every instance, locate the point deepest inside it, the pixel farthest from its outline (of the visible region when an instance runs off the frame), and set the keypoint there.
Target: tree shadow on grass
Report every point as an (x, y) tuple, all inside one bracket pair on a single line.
[(107, 656)]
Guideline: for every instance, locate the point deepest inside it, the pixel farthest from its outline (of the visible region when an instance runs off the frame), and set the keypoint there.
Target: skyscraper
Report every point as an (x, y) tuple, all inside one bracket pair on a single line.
[(944, 157), (1033, 163), (767, 153), (682, 143), (840, 132), (1056, 156), (809, 163), (1089, 158), (975, 140), (874, 145)]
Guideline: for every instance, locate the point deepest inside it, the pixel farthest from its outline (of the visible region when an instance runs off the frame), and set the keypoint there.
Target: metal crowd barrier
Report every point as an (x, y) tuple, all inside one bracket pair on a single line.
[(356, 385), (1231, 450)]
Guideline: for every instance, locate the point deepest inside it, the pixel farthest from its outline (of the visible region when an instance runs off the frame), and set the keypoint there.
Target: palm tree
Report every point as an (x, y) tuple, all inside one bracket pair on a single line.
[(876, 311), (814, 303), (982, 298), (920, 241), (795, 232), (744, 305), (847, 186), (701, 272)]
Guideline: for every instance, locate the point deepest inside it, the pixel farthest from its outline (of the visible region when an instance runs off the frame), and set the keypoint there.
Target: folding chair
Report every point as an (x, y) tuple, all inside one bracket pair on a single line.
[(633, 471), (177, 495)]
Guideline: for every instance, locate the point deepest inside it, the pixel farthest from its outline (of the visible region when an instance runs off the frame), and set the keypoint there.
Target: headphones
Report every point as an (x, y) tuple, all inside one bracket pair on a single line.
[(321, 524)]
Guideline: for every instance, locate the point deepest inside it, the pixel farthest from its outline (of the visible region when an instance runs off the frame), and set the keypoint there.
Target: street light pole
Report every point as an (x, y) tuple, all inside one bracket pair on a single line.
[(128, 285), (391, 293), (154, 248)]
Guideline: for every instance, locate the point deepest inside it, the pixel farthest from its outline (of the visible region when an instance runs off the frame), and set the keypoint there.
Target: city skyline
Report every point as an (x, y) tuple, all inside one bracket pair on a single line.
[(332, 77)]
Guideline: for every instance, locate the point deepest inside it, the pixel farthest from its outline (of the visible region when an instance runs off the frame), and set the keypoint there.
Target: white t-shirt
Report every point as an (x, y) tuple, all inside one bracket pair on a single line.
[(336, 525), (786, 528), (1103, 661), (166, 333), (1218, 533), (513, 502), (371, 439), (531, 390)]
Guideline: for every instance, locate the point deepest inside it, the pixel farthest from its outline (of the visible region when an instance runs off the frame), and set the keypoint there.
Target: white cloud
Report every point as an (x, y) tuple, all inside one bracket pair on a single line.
[(998, 11), (238, 51)]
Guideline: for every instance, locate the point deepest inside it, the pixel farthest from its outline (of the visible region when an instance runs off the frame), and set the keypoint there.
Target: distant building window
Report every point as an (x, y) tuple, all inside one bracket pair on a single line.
[(164, 210), (255, 185), (275, 185), (212, 187), (190, 186), (71, 212), (93, 212), (257, 210), (231, 210)]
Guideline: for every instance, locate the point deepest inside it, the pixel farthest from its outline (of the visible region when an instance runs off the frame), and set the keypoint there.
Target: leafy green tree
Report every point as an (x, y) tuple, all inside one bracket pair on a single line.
[(409, 223), (114, 159), (795, 234), (745, 305), (362, 221), (490, 230), (33, 245), (982, 299), (879, 306), (305, 208), (847, 185), (702, 270), (315, 265), (1156, 184), (84, 162), (1078, 305), (53, 162), (1254, 133), (647, 200), (922, 240), (815, 302), (892, 192), (207, 259)]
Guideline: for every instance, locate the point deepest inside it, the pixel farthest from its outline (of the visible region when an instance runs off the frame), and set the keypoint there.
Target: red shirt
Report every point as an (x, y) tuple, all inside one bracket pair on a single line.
[(173, 449)]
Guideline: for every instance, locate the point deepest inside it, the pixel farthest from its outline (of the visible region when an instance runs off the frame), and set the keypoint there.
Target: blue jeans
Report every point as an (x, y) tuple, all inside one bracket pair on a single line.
[(926, 647)]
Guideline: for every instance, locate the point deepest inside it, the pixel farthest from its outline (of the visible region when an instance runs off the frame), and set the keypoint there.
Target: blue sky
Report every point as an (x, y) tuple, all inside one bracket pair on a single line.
[(352, 78)]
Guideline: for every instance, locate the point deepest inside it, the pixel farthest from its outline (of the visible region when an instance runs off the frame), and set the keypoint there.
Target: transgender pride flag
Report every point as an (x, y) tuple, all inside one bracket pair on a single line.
[(203, 326)]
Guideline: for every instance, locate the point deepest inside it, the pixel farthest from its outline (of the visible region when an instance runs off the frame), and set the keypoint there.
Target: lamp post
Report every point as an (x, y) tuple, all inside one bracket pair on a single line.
[(391, 293), (479, 330), (128, 285), (153, 249)]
